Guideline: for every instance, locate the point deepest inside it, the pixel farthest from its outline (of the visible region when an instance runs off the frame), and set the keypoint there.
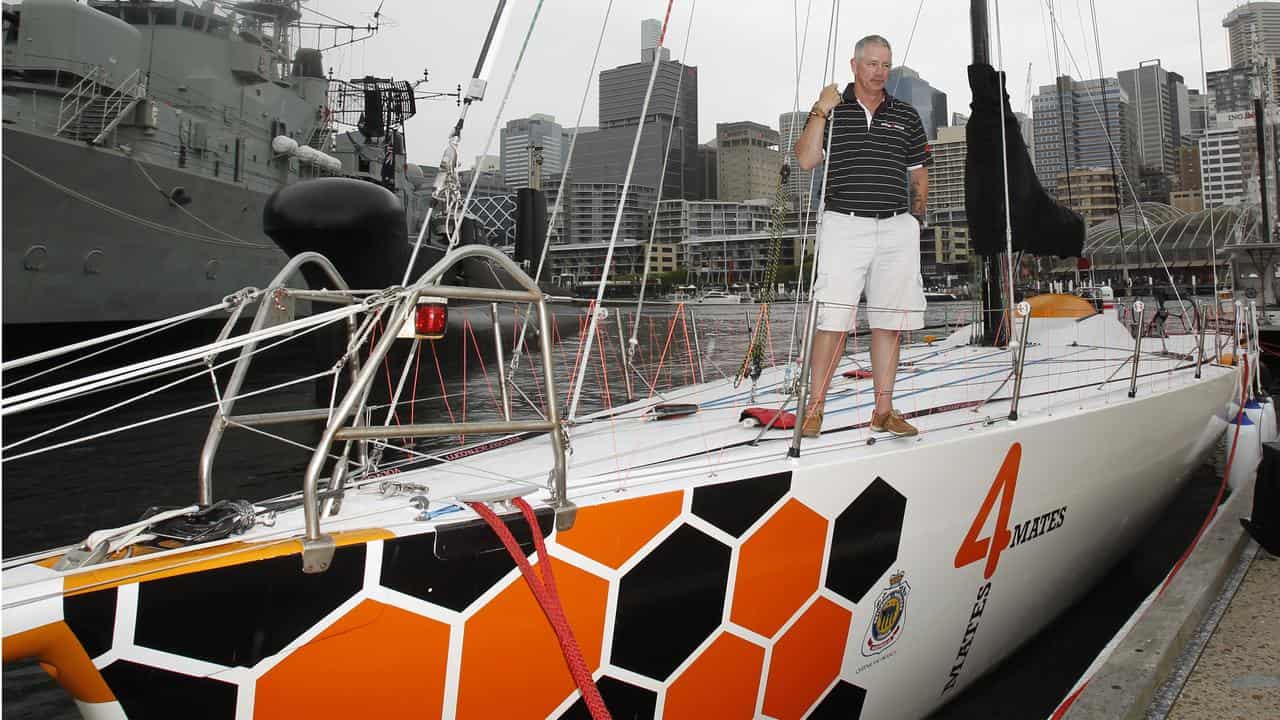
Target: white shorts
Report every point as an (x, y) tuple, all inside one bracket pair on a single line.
[(881, 257)]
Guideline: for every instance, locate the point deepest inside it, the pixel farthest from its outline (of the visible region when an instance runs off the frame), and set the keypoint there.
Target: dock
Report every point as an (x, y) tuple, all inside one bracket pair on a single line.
[(1208, 646)]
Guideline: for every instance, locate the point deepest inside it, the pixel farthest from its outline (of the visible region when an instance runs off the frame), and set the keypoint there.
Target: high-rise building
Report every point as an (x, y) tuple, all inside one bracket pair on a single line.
[(1220, 178), (579, 243), (650, 31), (804, 186), (946, 177), (1230, 90), (1088, 139), (945, 243), (1233, 89), (1197, 113), (1181, 110), (1189, 165), (707, 172), (906, 84), (1093, 193), (959, 119), (748, 161), (524, 136), (1154, 93), (1254, 24), (602, 156)]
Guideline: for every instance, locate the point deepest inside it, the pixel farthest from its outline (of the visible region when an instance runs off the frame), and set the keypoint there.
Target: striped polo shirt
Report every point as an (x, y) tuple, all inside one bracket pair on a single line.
[(868, 167)]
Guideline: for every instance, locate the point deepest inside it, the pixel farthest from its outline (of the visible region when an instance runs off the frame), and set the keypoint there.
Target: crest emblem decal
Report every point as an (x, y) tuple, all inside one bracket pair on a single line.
[(887, 618)]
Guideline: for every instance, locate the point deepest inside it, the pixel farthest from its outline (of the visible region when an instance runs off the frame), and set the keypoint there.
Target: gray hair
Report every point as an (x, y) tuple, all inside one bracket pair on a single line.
[(870, 40)]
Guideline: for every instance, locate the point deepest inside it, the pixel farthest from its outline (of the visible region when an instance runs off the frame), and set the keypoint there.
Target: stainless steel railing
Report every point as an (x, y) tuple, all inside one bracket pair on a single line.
[(318, 548), (223, 418)]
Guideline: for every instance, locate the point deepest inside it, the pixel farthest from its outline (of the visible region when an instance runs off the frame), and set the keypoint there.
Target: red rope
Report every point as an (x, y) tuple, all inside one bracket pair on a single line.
[(548, 597)]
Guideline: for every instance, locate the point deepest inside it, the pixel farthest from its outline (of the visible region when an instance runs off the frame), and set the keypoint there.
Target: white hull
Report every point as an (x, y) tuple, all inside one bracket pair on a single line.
[(759, 607)]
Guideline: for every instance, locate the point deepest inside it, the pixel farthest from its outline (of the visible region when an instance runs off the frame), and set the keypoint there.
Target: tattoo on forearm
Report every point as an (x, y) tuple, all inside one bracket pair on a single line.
[(919, 196)]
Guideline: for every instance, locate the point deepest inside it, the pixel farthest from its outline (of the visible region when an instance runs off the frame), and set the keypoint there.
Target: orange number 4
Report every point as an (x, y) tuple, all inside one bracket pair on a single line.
[(974, 548)]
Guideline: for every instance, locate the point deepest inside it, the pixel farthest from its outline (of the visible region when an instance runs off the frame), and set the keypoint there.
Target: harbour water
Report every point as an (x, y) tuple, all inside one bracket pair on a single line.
[(59, 497)]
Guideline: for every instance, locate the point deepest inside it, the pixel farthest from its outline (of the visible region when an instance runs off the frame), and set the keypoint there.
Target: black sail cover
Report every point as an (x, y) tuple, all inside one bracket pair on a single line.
[(1040, 225)]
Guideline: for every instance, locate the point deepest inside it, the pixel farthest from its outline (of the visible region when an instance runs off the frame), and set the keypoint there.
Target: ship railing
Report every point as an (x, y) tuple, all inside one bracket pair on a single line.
[(318, 548), (78, 98), (267, 314), (119, 103)]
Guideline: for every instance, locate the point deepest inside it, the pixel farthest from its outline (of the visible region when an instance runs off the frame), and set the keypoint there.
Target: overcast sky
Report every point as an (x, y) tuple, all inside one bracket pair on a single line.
[(745, 51)]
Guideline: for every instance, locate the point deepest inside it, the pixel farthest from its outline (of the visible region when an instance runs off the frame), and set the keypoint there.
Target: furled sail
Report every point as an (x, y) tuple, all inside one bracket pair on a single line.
[(1040, 225)]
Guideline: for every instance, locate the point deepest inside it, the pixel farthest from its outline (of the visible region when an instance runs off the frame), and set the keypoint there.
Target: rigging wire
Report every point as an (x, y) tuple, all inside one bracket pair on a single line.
[(1128, 181), (806, 194), (1204, 83), (1111, 155), (1004, 160), (1062, 113), (516, 350), (594, 320), (633, 342), (487, 63)]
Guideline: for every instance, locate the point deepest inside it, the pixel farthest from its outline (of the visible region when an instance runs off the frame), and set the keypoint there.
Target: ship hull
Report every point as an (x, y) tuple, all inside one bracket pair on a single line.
[(88, 238), (705, 570), (860, 588)]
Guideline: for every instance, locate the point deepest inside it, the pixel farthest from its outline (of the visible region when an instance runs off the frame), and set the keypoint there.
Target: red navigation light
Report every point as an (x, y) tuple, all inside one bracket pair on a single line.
[(430, 320)]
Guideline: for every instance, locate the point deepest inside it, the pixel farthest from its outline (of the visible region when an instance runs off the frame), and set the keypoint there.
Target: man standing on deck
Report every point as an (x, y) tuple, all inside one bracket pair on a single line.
[(869, 240)]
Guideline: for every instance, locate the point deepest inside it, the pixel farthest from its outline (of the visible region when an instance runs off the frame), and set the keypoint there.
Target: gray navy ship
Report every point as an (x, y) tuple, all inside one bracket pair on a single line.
[(142, 139)]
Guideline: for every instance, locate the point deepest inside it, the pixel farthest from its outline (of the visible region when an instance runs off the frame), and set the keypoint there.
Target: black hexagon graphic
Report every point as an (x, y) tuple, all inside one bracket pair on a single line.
[(735, 506), (864, 542), (843, 702), (623, 700), (670, 602), (240, 614), (148, 692), (92, 617), (456, 564)]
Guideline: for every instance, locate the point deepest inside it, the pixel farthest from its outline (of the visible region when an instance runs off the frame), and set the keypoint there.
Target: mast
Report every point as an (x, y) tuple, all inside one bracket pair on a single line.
[(988, 280)]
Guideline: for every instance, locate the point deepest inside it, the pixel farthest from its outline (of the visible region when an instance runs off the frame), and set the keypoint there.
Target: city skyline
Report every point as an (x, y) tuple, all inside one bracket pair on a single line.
[(746, 56)]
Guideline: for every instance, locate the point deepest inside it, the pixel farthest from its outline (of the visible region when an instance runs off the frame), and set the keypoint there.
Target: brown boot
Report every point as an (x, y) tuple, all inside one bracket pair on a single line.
[(812, 424), (892, 423)]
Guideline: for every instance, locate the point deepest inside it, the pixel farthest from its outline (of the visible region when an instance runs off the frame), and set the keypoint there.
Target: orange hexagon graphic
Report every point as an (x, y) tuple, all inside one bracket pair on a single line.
[(722, 683), (806, 660), (376, 645), (612, 532), (779, 567), (512, 665)]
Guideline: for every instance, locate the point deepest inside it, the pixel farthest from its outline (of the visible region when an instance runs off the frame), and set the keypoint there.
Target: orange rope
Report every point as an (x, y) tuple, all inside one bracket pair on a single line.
[(688, 348), (663, 358), (582, 339), (417, 363), (466, 323), (444, 392), (497, 404)]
